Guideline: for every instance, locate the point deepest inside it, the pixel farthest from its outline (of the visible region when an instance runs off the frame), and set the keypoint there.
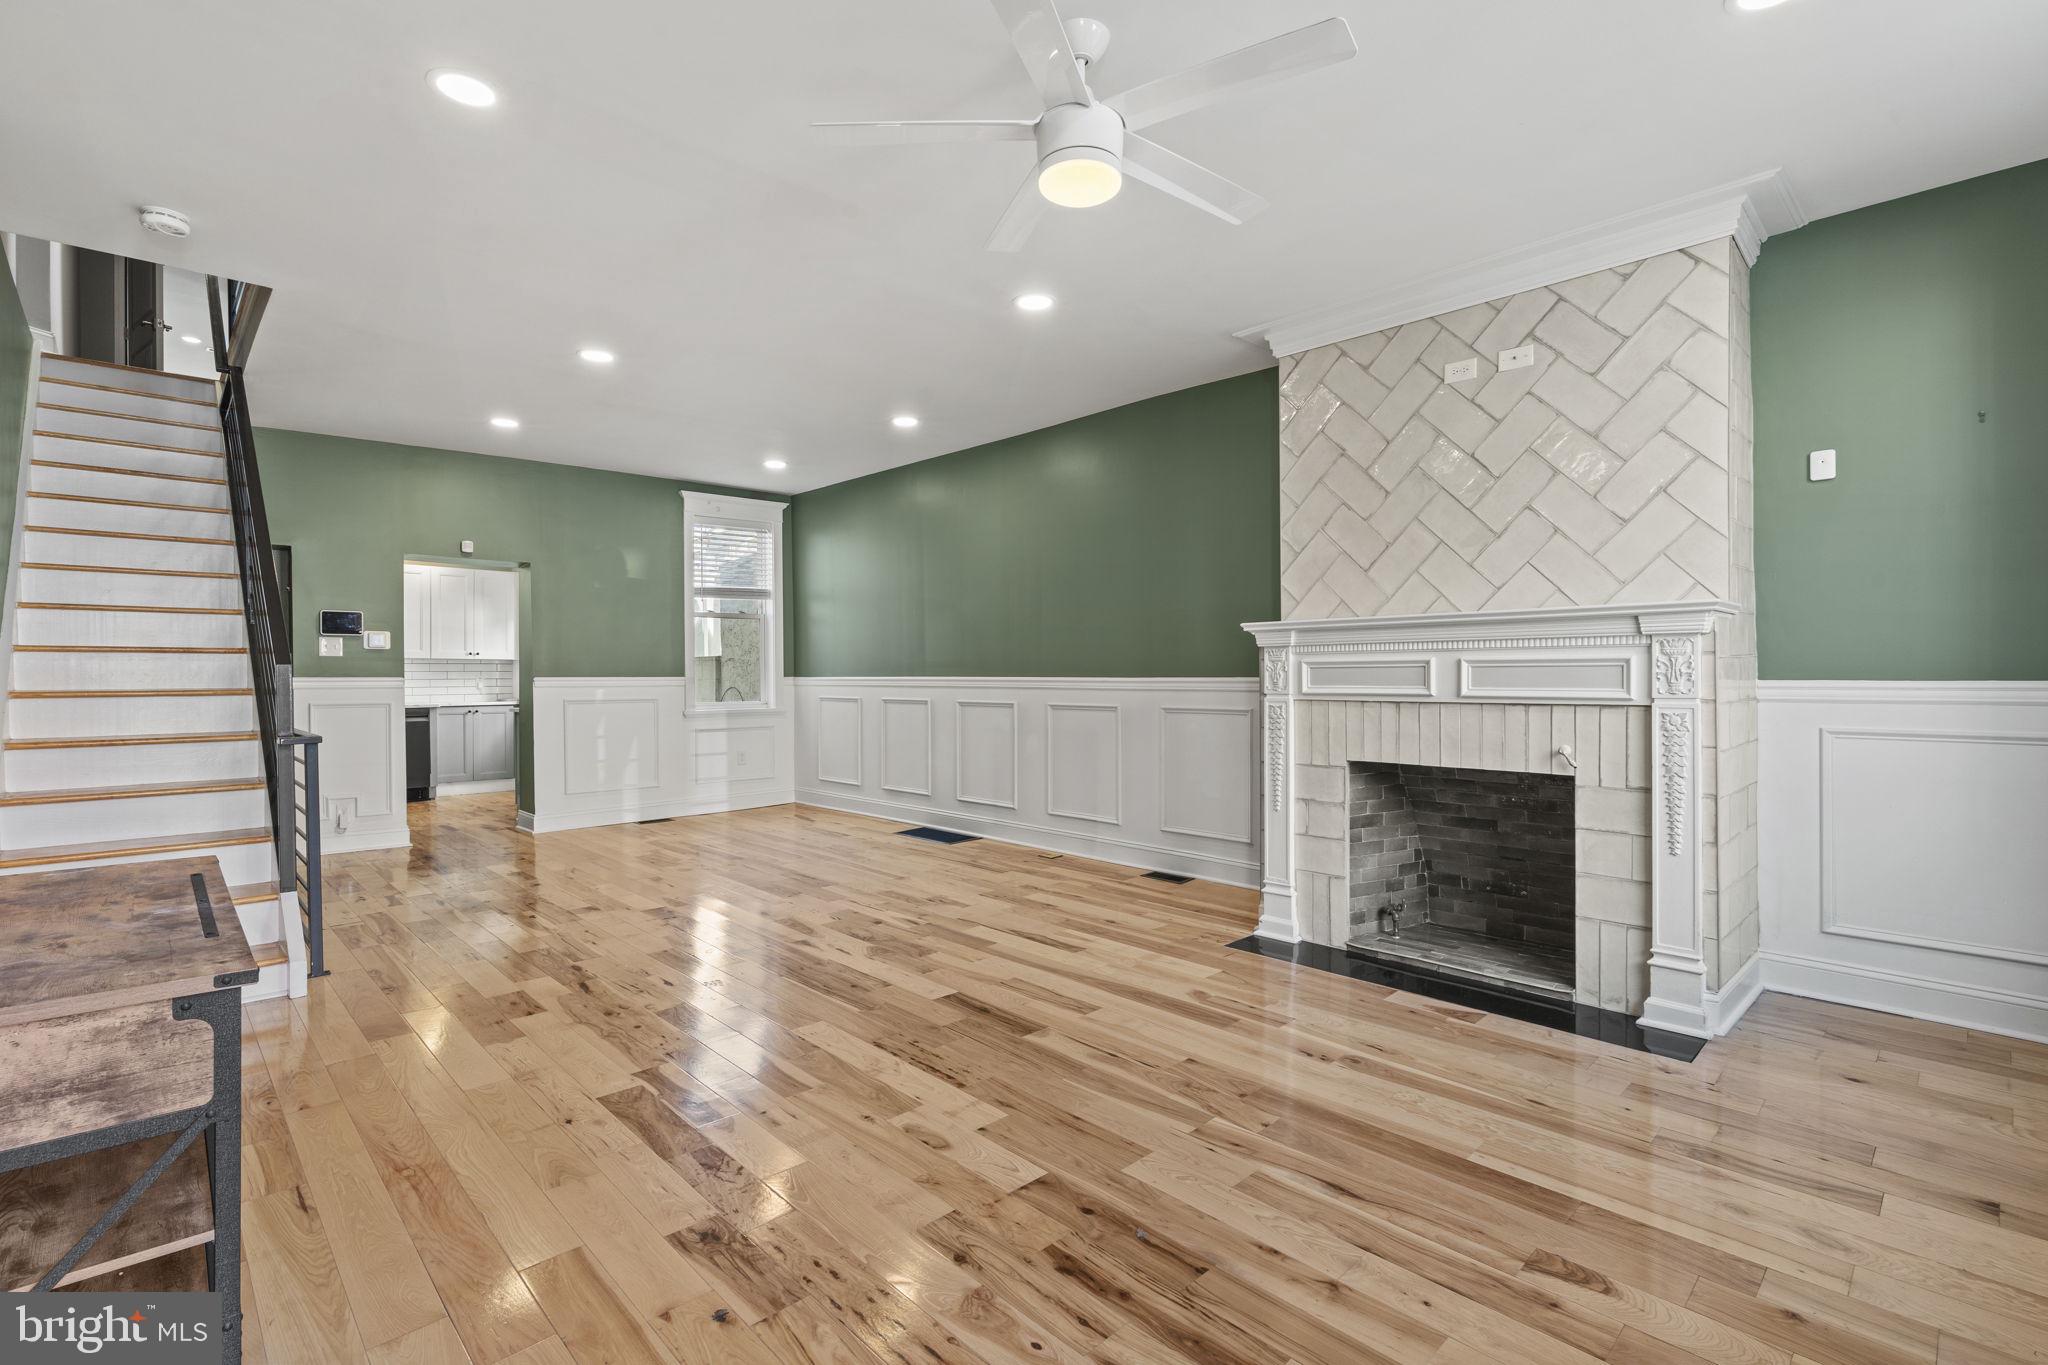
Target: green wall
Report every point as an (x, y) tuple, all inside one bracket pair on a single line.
[(604, 591), (17, 354), (1912, 337), (1130, 543)]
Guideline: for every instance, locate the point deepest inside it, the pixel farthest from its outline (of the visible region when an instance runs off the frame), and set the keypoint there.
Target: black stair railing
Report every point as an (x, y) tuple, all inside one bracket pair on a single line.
[(291, 757)]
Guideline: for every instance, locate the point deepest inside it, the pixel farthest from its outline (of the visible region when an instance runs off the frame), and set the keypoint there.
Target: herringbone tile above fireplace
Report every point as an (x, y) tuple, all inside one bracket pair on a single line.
[(1598, 474)]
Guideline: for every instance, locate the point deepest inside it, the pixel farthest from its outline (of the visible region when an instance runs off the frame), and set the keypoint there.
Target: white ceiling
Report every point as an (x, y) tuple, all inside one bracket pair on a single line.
[(648, 183)]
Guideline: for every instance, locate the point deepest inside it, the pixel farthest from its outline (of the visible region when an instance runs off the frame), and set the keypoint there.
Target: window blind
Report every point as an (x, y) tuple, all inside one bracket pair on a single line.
[(731, 559)]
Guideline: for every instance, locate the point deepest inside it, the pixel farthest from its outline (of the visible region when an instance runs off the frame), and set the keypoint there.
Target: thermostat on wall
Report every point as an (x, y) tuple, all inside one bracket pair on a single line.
[(376, 639), (341, 623)]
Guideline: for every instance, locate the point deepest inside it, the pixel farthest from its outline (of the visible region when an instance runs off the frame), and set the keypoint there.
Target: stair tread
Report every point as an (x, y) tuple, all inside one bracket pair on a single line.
[(47, 693), (268, 954), (121, 848), (132, 649), (129, 502), (56, 796), (129, 606), (123, 568), (117, 441), (116, 741), (133, 393), (127, 535), (125, 470), (128, 416), (131, 369), (253, 892)]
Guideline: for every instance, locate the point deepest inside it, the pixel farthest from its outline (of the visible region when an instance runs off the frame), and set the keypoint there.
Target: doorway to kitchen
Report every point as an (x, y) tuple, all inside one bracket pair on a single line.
[(462, 677)]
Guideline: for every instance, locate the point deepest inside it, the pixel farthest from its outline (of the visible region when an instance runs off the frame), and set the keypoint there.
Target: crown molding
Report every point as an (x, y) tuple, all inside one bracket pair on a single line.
[(1749, 210)]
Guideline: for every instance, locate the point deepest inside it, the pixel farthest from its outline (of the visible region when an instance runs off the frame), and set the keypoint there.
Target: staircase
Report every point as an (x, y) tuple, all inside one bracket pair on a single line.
[(132, 728)]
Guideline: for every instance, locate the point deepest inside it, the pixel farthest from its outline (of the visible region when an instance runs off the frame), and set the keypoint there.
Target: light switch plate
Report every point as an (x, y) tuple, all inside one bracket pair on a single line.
[(1820, 466), (1458, 371), (330, 646), (1521, 358), (376, 639)]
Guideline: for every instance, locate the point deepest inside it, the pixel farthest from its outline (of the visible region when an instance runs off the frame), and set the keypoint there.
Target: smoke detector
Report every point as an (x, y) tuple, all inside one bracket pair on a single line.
[(169, 222)]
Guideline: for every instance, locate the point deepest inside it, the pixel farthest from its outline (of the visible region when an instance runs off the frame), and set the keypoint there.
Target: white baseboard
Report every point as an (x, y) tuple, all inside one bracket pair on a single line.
[(502, 784), (1150, 858), (1726, 1006), (2009, 1013), (364, 840), (652, 810)]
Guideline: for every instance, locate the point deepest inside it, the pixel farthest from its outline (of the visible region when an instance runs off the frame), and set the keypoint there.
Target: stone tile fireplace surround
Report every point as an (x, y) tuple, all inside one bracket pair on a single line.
[(1619, 699)]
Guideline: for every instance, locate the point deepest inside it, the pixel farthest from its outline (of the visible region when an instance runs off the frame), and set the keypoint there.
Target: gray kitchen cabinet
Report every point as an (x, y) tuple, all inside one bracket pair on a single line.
[(475, 743)]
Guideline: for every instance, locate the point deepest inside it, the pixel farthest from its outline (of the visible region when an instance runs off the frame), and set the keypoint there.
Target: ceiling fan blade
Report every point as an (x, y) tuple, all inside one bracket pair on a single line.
[(1184, 180), (1290, 54), (878, 133), (1026, 208), (1041, 42)]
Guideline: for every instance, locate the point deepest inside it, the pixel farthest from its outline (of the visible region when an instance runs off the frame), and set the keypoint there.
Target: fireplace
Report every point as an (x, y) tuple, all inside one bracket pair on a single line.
[(1467, 871)]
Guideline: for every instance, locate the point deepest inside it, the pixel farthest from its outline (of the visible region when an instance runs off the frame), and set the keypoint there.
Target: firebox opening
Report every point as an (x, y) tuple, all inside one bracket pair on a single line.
[(1466, 871)]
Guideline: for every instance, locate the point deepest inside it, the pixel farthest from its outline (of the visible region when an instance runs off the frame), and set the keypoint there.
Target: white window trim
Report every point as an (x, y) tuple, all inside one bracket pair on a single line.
[(770, 515)]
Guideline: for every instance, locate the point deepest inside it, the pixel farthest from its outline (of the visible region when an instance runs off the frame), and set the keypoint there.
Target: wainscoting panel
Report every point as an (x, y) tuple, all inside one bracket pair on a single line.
[(1903, 863), (361, 724), (1152, 772), (608, 751)]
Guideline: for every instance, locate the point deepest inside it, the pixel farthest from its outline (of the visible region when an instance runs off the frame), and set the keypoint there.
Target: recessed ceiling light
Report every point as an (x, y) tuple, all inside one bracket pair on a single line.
[(193, 341), (1749, 6), (505, 423), (596, 355), (773, 463), (1034, 303), (903, 420), (463, 88)]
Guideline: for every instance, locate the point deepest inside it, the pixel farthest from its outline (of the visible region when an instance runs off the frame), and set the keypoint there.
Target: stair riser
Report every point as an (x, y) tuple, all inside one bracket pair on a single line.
[(240, 864), (123, 428), (141, 817), (140, 405), (61, 717), (37, 770), (100, 516), (262, 921), (131, 457), (35, 671), (133, 589), (149, 381), (51, 479), (37, 626), (49, 548)]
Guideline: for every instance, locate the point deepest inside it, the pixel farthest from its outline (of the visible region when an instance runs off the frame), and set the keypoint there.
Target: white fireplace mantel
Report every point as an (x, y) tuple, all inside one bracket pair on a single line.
[(1643, 655)]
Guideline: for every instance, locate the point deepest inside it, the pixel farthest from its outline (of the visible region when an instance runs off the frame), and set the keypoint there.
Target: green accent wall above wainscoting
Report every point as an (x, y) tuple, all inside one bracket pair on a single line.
[(1912, 337), (1129, 543)]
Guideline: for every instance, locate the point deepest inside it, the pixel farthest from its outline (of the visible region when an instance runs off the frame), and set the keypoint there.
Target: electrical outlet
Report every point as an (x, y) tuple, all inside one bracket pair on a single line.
[(330, 646), (1521, 358), (1458, 371), (1820, 466)]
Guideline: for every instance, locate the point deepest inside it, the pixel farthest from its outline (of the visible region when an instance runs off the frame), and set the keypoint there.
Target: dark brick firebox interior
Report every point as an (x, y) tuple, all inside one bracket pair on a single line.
[(1466, 870)]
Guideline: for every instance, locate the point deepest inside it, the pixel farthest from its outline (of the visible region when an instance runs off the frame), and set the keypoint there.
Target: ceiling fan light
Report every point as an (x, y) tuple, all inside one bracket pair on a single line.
[(1080, 177)]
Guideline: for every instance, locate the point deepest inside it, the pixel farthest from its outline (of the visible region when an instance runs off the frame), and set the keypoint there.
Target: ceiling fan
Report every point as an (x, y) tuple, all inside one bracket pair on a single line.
[(1087, 145)]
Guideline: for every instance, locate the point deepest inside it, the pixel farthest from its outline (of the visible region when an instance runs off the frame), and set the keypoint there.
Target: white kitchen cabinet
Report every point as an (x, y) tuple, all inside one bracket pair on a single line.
[(459, 613)]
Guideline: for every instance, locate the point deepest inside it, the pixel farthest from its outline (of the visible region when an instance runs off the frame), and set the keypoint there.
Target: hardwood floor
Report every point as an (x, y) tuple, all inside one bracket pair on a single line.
[(783, 1087)]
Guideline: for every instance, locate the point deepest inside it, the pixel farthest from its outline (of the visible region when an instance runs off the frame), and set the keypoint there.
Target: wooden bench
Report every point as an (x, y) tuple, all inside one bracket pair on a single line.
[(120, 1081)]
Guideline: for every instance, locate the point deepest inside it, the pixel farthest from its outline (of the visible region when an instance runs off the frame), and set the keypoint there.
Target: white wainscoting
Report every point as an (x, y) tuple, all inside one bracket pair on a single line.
[(609, 751), (361, 724), (1904, 865), (1158, 773)]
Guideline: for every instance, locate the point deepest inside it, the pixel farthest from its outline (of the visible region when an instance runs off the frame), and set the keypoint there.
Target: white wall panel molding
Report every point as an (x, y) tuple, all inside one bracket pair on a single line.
[(1158, 773), (1749, 210), (361, 724), (837, 752), (1901, 860), (610, 751)]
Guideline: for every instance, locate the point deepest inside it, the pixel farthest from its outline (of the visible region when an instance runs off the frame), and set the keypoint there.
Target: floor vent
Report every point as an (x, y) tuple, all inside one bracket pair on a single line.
[(939, 836), (1170, 878)]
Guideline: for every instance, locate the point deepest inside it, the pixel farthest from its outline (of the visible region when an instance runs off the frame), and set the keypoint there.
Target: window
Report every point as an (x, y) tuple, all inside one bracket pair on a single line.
[(735, 583)]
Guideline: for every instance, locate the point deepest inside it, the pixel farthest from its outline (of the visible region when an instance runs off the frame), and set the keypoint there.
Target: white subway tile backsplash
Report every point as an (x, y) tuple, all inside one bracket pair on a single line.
[(431, 682)]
